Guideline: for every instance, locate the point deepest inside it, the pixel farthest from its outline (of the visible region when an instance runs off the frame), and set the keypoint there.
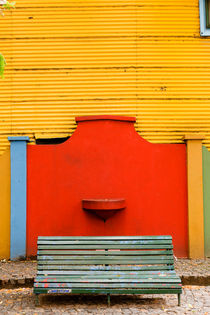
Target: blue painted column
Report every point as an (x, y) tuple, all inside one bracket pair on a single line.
[(18, 164)]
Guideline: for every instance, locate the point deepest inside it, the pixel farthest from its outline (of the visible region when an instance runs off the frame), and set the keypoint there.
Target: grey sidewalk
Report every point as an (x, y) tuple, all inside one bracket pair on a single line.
[(22, 273)]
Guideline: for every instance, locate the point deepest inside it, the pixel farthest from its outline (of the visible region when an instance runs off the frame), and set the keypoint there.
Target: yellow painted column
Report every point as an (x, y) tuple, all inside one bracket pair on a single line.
[(5, 205), (195, 195)]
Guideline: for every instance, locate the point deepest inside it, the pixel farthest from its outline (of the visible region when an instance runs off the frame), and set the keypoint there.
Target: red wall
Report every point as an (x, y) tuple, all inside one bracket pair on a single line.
[(106, 158)]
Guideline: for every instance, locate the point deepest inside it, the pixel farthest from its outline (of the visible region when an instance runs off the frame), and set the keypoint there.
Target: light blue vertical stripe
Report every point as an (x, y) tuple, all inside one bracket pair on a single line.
[(18, 162)]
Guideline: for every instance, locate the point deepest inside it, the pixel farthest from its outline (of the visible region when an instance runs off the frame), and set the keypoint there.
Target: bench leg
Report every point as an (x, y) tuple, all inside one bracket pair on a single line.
[(108, 299), (36, 299), (179, 299)]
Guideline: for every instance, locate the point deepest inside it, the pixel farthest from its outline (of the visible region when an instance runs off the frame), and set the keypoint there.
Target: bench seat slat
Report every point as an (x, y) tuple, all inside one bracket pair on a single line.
[(104, 273), (104, 276), (110, 273), (106, 285), (90, 267), (108, 279), (44, 278)]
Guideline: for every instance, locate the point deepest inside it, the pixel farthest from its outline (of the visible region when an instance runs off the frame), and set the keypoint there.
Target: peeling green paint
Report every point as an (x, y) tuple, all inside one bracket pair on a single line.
[(206, 196)]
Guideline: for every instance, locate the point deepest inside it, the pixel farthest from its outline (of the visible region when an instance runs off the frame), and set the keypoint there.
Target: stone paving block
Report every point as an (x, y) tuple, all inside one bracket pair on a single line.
[(195, 300)]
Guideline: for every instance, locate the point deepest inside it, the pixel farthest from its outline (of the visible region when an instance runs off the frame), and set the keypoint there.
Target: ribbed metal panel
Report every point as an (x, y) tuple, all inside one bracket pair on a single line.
[(102, 21), (76, 57)]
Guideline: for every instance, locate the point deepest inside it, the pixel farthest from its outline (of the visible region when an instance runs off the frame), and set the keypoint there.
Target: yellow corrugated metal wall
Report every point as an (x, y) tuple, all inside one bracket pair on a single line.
[(79, 57)]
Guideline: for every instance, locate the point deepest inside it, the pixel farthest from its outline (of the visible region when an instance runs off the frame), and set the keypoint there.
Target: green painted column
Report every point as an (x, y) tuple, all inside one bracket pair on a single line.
[(206, 199)]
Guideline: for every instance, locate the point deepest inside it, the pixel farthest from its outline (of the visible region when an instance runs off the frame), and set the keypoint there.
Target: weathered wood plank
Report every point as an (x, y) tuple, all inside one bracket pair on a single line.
[(108, 242), (146, 237), (107, 285), (106, 261), (105, 280), (104, 257), (100, 267), (67, 276), (116, 291), (55, 246), (104, 273), (108, 253)]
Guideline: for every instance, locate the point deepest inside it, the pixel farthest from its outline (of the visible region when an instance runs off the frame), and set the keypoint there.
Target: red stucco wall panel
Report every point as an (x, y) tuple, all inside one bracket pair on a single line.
[(107, 159)]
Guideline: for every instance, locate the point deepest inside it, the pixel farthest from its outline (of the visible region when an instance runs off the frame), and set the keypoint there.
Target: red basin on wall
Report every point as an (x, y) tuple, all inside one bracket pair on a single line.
[(103, 208)]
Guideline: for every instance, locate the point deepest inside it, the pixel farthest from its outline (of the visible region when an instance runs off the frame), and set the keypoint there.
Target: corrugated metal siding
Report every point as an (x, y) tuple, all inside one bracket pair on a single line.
[(79, 57)]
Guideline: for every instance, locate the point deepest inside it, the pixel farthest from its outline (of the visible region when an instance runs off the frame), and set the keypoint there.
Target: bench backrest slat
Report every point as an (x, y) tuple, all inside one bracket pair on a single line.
[(105, 238), (102, 252)]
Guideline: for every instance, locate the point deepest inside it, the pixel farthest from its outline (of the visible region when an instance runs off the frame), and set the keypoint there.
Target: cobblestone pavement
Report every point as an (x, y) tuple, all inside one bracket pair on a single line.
[(195, 300), (18, 269), (27, 269), (190, 267)]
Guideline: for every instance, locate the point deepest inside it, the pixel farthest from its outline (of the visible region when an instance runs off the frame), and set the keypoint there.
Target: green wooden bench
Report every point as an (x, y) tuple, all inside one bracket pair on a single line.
[(106, 265)]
